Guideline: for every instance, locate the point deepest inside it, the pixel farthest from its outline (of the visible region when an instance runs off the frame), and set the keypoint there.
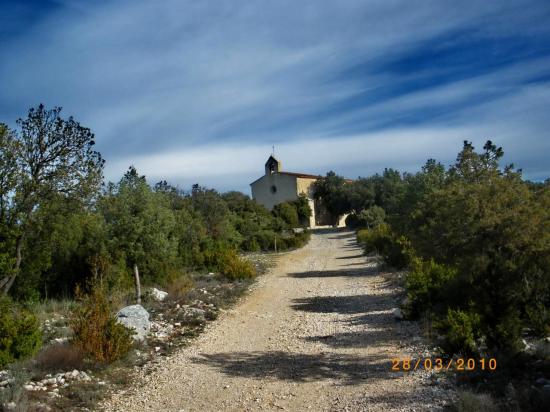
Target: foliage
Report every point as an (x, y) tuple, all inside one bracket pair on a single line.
[(477, 240), (396, 250), (303, 209), (48, 157), (96, 331), (426, 284), (331, 190), (20, 336), (368, 218), (140, 226), (235, 268), (288, 213), (474, 402), (462, 330)]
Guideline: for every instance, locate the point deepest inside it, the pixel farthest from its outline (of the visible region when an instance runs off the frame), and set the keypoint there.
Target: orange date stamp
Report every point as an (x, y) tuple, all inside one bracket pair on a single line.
[(440, 364)]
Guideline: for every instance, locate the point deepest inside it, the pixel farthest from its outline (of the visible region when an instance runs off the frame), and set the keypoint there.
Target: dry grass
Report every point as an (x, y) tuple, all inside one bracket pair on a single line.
[(178, 287), (59, 357), (475, 402)]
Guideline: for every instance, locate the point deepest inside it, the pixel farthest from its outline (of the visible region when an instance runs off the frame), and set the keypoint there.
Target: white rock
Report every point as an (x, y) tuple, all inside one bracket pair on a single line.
[(158, 295), (28, 387), (83, 376), (137, 318)]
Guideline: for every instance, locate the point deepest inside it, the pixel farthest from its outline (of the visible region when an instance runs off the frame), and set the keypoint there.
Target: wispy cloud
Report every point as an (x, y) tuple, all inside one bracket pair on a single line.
[(199, 91)]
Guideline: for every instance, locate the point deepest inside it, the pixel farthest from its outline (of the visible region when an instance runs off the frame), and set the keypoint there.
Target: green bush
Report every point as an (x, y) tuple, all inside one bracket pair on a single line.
[(396, 251), (426, 283), (368, 218), (20, 335), (96, 331), (461, 331), (288, 213), (235, 268)]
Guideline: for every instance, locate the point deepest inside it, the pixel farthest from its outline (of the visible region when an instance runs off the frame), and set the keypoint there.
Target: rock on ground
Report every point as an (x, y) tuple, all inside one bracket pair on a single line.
[(158, 295), (137, 318)]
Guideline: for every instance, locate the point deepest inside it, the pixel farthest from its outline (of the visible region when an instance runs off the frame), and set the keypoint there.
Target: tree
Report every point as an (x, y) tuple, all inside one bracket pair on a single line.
[(489, 224), (54, 156), (140, 226), (303, 209), (331, 192)]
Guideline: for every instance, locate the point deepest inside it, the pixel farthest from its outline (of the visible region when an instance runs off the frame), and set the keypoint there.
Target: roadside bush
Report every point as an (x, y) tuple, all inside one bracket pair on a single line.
[(352, 221), (474, 402), (288, 212), (425, 283), (96, 331), (396, 251), (20, 335), (461, 330), (59, 357), (303, 209), (368, 218), (178, 286), (235, 268)]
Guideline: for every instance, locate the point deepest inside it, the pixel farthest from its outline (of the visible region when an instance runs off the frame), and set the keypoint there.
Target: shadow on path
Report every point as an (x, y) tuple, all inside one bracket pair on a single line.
[(362, 271), (298, 367), (352, 257), (350, 304)]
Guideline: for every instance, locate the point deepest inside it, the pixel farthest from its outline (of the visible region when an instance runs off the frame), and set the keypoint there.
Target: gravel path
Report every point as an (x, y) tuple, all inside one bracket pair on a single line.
[(316, 333)]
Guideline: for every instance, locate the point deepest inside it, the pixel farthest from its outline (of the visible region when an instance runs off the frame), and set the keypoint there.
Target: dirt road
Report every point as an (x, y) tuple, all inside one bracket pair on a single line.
[(316, 333)]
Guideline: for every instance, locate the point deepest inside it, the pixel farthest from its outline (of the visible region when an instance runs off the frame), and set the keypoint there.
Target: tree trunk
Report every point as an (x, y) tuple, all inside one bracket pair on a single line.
[(18, 247), (138, 284)]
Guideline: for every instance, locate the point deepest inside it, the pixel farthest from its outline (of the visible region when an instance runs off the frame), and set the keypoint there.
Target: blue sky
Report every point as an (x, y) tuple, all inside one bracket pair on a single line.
[(200, 91)]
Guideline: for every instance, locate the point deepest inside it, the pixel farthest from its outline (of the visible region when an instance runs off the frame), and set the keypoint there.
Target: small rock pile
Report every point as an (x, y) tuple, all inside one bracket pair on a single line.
[(5, 379), (52, 383)]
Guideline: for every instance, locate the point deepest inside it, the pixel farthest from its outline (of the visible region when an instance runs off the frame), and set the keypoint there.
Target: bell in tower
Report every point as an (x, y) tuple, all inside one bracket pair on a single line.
[(272, 166)]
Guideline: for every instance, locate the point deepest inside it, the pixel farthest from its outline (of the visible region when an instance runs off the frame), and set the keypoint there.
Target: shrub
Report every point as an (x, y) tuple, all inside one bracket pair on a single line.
[(303, 209), (396, 251), (352, 221), (461, 330), (474, 402), (368, 218), (178, 286), (425, 283), (20, 335), (288, 212), (59, 357), (96, 331), (233, 267)]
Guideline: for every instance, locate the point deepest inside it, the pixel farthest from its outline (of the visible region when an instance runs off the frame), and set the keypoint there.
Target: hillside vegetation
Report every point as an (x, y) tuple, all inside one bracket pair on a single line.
[(62, 227), (475, 238)]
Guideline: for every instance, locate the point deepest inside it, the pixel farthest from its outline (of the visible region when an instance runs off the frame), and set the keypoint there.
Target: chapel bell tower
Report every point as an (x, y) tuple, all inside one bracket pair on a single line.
[(272, 166)]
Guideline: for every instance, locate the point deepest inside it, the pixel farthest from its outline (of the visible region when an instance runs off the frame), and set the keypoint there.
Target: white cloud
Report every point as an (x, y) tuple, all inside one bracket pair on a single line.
[(199, 91)]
